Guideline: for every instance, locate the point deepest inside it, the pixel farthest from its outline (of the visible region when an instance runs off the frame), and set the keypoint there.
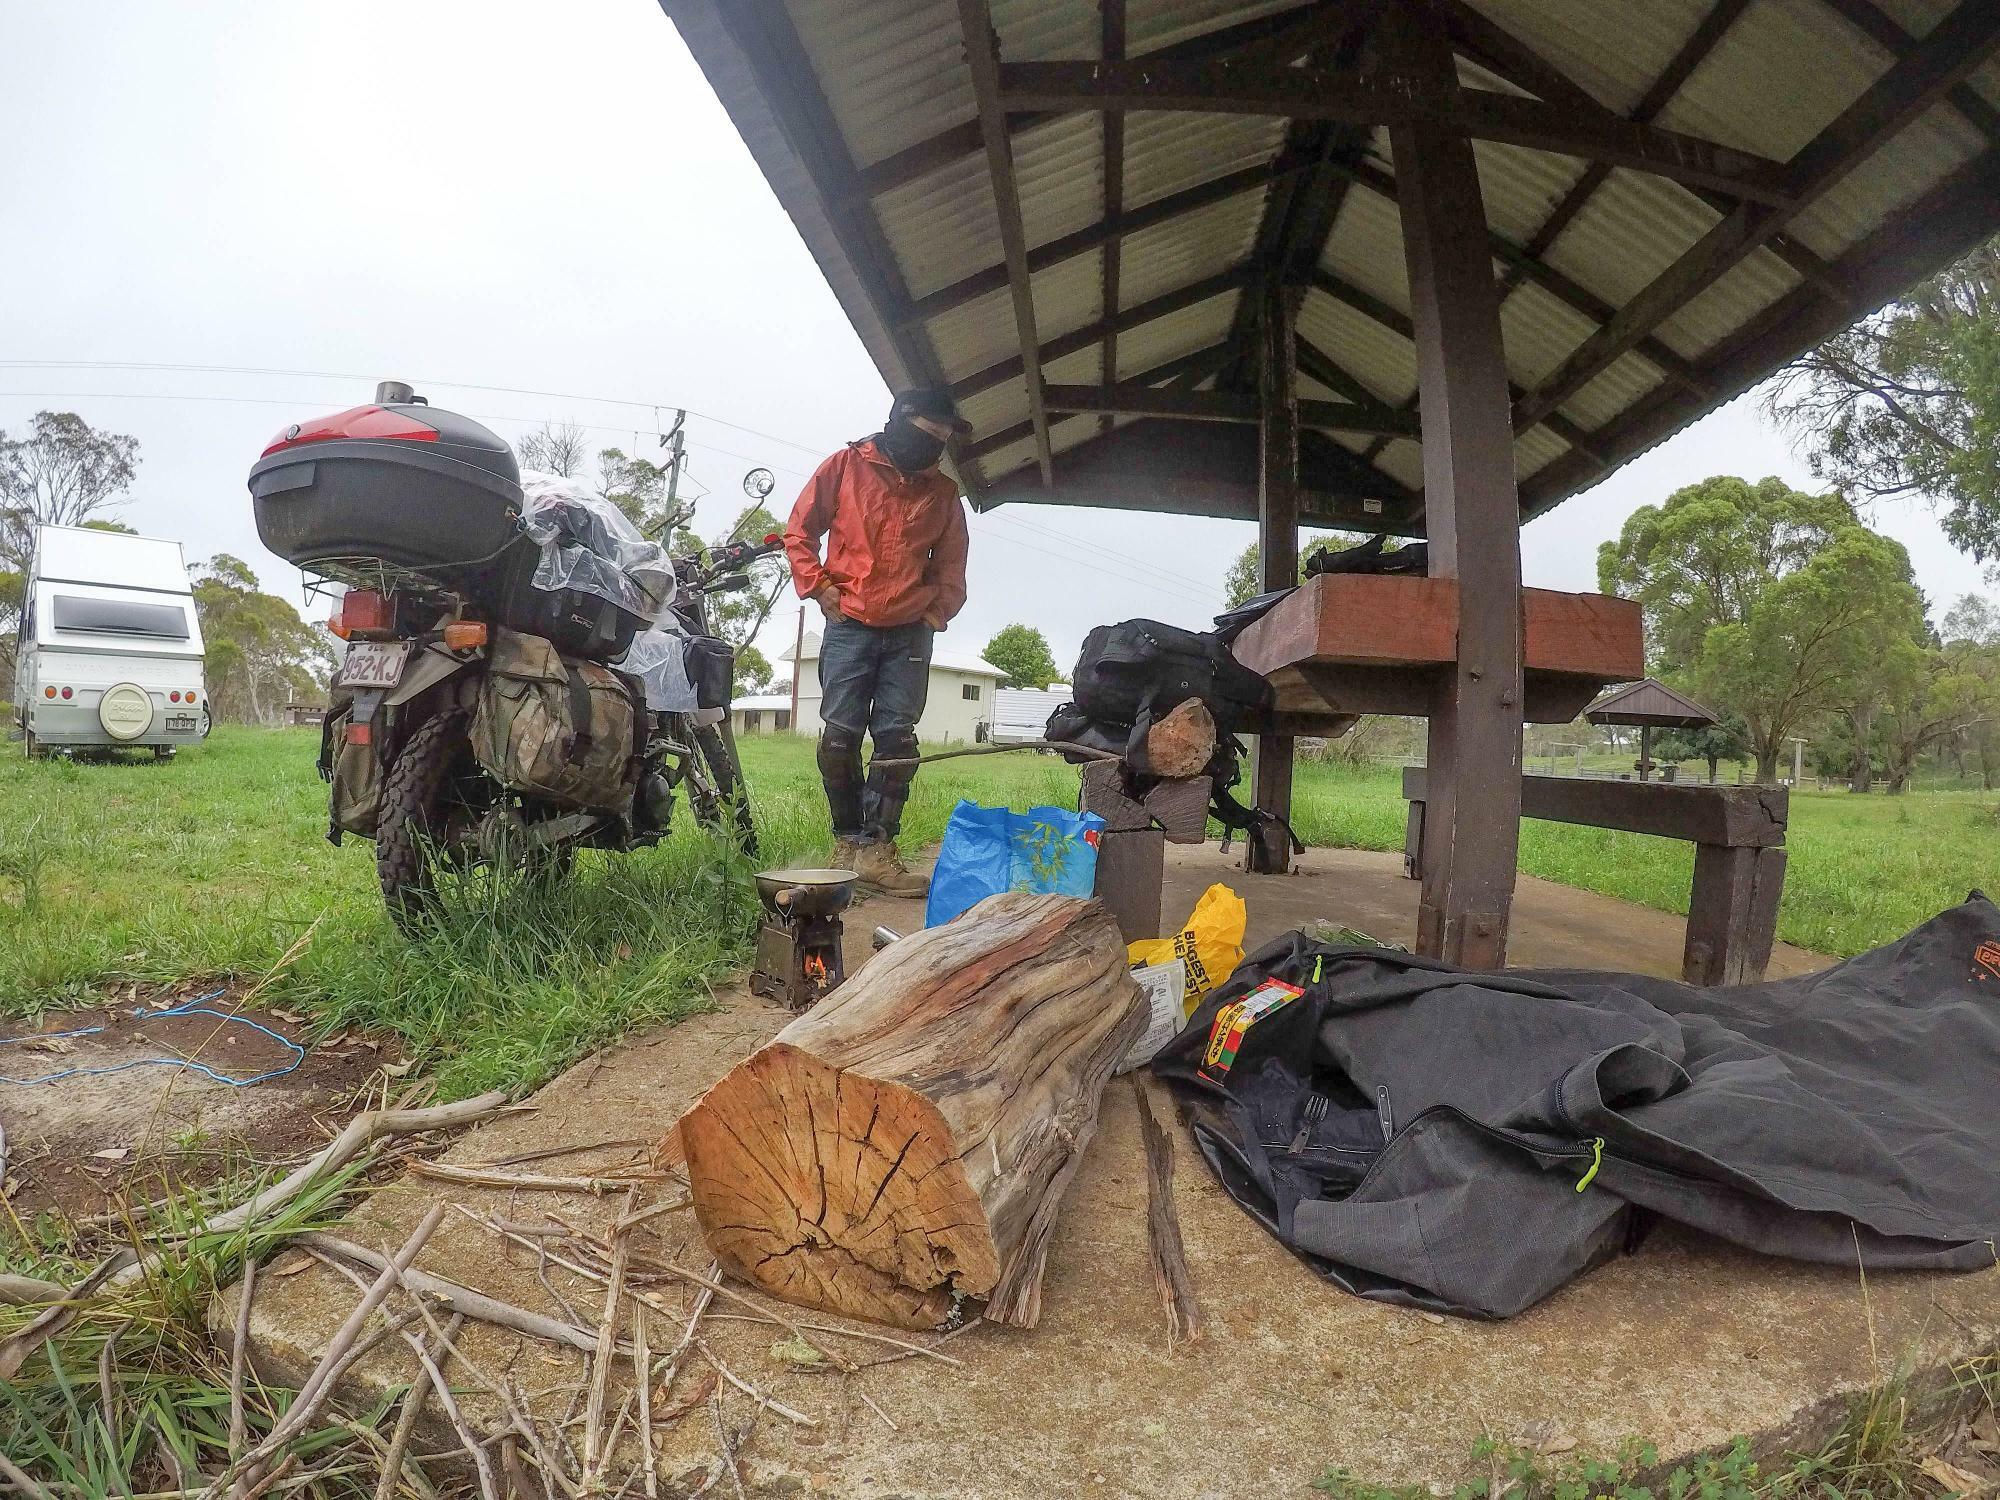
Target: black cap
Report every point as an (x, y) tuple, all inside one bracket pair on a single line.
[(931, 401)]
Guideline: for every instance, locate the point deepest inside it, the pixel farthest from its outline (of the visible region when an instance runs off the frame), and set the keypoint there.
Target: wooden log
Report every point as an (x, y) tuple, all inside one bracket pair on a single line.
[(900, 1151), (1131, 877), (1182, 743)]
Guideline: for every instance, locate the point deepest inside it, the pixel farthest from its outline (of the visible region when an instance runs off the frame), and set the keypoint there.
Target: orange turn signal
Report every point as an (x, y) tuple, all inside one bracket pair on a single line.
[(464, 635), (338, 626)]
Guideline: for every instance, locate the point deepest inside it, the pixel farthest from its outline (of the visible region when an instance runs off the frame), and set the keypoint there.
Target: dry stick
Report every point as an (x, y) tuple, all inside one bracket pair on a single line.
[(406, 1421), (319, 1384), (458, 1299), (632, 1221), (906, 1350), (21, 1481), (707, 1353), (870, 1400), (426, 1362), (722, 1436), (701, 1303), (530, 1181), (238, 1348), (1064, 746), (642, 1371), (607, 1340), (797, 1330), (542, 1275), (104, 1357), (521, 1157), (24, 1341), (1171, 1277)]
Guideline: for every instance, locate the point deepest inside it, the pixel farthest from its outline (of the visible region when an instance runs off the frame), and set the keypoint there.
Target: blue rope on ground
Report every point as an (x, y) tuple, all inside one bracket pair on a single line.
[(198, 1006)]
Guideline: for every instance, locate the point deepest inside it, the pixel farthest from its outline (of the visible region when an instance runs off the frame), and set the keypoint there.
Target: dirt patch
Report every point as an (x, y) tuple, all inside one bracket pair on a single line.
[(115, 1098)]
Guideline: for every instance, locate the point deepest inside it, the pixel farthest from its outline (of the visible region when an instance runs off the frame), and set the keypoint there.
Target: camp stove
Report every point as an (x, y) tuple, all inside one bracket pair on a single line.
[(798, 940)]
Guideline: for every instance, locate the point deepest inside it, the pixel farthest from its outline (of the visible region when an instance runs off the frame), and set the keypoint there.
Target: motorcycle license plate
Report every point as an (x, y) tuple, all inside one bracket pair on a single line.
[(374, 664)]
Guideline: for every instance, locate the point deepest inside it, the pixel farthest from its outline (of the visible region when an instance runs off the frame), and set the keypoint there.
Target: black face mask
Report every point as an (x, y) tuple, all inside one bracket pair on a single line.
[(909, 447)]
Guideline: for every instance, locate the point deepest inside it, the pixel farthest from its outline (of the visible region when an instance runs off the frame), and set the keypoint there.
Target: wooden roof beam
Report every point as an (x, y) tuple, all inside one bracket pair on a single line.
[(1315, 94), (1131, 399), (1111, 46), (982, 58), (1886, 32), (1955, 48), (1195, 367), (1503, 54), (1124, 321), (961, 141), (1105, 234)]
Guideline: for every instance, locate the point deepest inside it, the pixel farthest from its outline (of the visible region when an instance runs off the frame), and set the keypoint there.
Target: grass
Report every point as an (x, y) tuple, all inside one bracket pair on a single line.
[(216, 863)]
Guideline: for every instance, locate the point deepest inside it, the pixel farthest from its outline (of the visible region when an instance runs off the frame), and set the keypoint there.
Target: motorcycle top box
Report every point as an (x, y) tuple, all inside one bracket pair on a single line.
[(398, 483)]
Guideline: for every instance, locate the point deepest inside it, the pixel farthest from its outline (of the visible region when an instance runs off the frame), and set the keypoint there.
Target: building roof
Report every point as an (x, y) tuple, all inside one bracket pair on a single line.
[(756, 701), (1649, 702), (963, 662), (1681, 195)]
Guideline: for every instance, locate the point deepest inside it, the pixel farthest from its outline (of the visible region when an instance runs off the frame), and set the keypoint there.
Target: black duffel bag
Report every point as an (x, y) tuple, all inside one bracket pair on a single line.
[(1141, 667)]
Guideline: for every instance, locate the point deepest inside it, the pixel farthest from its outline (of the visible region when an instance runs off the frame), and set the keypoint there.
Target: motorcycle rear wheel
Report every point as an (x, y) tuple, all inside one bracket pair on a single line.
[(410, 828)]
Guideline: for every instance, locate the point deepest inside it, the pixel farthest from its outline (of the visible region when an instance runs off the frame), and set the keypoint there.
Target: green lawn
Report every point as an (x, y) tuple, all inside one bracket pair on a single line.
[(217, 864)]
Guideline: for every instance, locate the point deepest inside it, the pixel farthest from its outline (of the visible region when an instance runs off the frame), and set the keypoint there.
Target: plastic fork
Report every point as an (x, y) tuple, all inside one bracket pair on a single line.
[(1315, 1112)]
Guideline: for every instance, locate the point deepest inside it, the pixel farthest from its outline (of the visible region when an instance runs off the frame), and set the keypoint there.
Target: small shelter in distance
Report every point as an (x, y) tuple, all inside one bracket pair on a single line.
[(1649, 704), (1426, 268)]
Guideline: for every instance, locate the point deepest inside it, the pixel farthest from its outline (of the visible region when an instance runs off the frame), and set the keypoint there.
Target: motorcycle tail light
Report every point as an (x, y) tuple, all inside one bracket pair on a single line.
[(360, 734), (364, 612), (464, 635), (362, 422)]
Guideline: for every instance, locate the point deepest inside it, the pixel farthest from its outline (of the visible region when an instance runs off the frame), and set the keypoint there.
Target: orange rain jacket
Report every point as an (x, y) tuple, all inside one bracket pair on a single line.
[(895, 542)]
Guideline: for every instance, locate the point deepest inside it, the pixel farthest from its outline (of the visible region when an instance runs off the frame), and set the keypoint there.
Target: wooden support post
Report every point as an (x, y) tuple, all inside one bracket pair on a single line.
[(1413, 842), (1472, 827), (1645, 751), (1269, 850), (1732, 914), (1131, 876)]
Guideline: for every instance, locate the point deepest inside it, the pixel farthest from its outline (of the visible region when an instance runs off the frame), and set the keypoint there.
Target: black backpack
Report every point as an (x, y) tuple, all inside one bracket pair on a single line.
[(1138, 668)]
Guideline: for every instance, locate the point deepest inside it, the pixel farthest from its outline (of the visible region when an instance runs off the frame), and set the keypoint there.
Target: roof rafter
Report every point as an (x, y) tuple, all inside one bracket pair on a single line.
[(1316, 94), (1501, 53), (982, 59), (1111, 45), (1124, 321), (1105, 234), (1195, 367), (1886, 32), (961, 141), (1956, 46), (1136, 400)]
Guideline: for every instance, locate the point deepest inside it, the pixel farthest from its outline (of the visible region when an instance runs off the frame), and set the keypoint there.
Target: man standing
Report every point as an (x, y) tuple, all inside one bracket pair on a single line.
[(893, 577)]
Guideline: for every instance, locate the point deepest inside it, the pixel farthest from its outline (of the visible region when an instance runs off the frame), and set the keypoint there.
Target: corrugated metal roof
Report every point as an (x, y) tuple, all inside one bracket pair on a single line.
[(894, 77)]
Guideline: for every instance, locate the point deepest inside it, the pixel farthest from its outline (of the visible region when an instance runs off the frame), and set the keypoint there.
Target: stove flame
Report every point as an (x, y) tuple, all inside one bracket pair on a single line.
[(816, 970)]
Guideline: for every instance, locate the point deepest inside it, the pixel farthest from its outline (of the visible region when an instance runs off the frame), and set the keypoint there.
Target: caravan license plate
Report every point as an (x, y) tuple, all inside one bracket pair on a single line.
[(374, 664)]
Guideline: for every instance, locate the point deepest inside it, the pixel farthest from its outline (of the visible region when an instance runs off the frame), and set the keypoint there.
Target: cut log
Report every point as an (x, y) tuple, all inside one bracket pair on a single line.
[(1183, 743), (899, 1152)]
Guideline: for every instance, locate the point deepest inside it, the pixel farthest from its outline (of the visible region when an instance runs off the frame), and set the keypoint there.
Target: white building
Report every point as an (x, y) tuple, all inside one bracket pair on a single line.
[(958, 708), (1021, 714), (762, 713)]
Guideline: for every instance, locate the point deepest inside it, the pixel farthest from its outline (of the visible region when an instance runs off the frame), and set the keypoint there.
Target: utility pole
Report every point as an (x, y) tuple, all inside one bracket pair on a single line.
[(1798, 759), (675, 441)]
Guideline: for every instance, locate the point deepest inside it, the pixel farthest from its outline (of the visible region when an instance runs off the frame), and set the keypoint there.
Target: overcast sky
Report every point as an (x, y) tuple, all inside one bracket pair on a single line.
[(530, 197)]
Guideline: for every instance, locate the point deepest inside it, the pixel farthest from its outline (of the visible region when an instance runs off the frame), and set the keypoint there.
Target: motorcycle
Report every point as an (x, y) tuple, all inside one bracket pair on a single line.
[(500, 708)]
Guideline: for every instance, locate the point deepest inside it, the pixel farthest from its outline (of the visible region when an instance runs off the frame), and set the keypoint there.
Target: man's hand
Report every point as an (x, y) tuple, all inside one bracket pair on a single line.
[(827, 597), (931, 619)]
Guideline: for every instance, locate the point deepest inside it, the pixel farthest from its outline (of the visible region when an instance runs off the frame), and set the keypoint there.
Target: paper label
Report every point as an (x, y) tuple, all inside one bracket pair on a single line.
[(1226, 1031), (1162, 985)]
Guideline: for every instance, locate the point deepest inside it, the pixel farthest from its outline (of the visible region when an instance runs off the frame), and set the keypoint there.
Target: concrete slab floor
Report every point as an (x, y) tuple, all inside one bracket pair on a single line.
[(1684, 1342)]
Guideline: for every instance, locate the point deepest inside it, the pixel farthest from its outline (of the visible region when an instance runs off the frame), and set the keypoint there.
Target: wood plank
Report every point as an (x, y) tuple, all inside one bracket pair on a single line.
[(1131, 875), (1351, 99), (1132, 399), (1732, 914), (1751, 817), (1362, 619)]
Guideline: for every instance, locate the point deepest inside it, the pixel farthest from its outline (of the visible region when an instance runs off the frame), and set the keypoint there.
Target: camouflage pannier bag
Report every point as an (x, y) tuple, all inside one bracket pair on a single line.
[(353, 771), (567, 731)]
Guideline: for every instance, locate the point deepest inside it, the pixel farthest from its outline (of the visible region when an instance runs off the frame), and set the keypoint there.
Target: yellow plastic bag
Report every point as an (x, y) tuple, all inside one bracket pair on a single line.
[(1211, 940)]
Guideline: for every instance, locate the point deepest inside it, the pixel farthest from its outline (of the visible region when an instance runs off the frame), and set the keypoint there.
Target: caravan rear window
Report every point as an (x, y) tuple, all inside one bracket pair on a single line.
[(121, 617)]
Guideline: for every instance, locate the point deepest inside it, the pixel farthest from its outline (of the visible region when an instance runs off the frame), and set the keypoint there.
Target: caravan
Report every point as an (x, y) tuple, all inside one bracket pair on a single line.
[(110, 649)]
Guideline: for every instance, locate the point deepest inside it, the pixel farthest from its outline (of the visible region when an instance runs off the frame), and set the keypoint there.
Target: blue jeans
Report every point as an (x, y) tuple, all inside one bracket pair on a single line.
[(873, 680)]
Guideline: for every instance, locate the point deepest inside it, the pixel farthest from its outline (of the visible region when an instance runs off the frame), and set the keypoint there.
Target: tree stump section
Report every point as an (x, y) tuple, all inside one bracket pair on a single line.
[(899, 1152)]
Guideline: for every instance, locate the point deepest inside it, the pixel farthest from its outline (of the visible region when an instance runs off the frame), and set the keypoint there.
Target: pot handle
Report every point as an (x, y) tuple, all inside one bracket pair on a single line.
[(791, 893)]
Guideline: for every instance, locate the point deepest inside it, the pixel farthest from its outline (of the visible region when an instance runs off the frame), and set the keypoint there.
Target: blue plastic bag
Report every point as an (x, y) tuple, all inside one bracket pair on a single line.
[(987, 850)]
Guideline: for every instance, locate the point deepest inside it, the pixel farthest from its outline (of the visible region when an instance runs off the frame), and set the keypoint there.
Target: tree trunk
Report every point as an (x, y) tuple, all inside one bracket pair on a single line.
[(902, 1148), (1861, 722), (1767, 764), (1713, 760)]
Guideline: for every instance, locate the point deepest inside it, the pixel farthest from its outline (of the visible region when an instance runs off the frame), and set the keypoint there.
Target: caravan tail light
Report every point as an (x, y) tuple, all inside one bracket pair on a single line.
[(362, 422), (66, 693), (48, 692)]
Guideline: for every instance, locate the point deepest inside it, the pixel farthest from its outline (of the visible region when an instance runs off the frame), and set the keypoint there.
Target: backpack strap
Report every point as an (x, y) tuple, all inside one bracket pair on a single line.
[(1236, 818), (581, 742)]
